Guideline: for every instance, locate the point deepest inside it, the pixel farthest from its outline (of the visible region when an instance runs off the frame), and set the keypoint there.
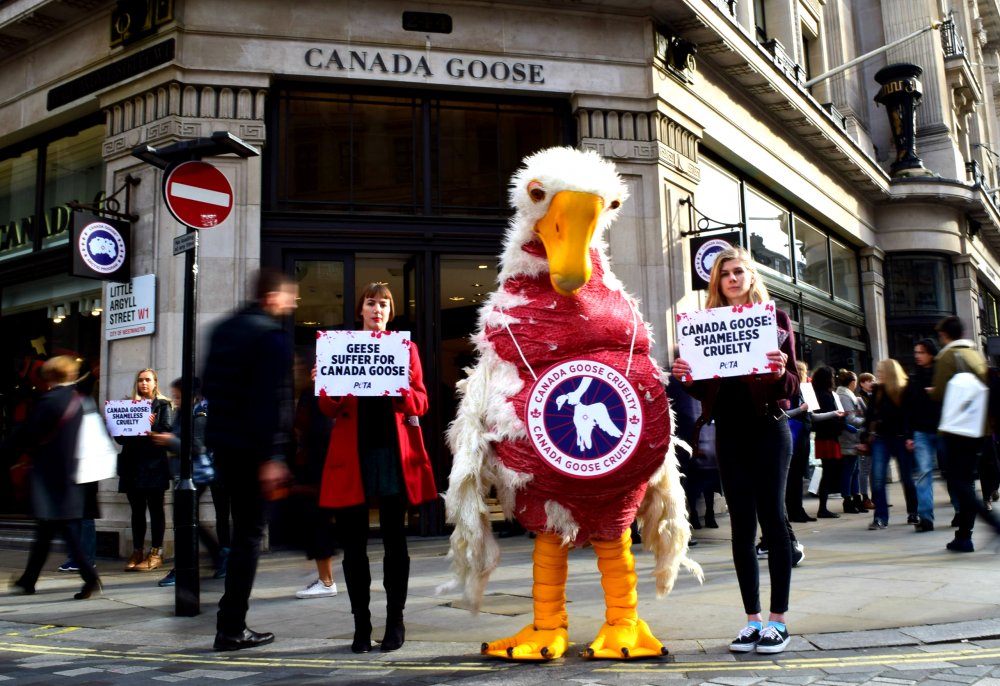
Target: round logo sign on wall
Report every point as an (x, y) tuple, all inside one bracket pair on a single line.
[(101, 247), (705, 257), (584, 418)]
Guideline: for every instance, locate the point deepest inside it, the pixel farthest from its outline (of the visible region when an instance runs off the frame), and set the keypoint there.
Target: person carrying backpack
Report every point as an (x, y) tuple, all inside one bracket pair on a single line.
[(963, 441)]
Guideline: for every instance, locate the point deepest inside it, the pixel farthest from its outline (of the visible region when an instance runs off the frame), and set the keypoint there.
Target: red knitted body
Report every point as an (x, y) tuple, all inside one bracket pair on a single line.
[(594, 324)]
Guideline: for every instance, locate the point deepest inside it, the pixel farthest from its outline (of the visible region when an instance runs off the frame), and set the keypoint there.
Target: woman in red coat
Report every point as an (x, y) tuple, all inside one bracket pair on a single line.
[(377, 454)]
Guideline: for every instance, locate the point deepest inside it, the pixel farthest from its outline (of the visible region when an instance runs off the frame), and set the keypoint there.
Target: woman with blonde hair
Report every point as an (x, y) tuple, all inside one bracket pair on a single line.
[(753, 447), (144, 474), (888, 428)]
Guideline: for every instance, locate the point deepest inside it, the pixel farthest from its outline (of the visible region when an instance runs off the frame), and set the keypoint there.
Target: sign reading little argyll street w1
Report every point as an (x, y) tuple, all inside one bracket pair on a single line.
[(130, 308)]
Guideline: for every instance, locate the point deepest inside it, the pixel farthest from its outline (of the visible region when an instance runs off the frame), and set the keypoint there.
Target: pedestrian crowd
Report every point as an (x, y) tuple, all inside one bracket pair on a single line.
[(748, 438)]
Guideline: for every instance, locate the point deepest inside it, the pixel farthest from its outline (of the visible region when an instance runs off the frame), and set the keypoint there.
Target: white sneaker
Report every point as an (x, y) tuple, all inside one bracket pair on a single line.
[(317, 589)]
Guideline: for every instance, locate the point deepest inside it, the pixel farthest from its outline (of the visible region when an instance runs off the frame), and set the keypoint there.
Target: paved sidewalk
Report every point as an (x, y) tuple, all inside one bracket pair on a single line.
[(855, 589)]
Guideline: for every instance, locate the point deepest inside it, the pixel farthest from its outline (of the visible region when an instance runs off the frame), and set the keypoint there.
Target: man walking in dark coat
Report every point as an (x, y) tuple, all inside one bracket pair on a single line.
[(248, 385)]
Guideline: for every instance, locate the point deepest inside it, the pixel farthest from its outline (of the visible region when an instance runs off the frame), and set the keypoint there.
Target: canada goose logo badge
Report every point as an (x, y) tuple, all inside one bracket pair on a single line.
[(584, 418)]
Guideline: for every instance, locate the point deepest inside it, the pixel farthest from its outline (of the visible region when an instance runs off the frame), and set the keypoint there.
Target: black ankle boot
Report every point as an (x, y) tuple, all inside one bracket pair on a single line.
[(395, 633), (859, 504), (850, 507), (710, 520), (362, 636)]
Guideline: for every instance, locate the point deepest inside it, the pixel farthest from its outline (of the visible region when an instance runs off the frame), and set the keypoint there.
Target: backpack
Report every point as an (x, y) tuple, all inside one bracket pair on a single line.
[(966, 401)]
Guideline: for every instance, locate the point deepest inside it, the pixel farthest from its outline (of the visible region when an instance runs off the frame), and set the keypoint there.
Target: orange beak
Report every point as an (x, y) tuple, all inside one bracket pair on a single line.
[(565, 231)]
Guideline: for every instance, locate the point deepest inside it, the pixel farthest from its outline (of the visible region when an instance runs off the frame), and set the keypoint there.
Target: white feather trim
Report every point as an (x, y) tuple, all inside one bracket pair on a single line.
[(560, 521)]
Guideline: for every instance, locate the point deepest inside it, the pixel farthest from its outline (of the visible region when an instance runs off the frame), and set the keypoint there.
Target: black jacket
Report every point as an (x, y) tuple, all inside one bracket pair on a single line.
[(143, 465), (248, 384), (55, 495), (923, 410), (886, 419)]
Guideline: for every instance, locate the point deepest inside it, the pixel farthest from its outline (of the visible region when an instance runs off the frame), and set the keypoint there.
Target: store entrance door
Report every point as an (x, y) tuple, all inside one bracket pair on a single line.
[(436, 296)]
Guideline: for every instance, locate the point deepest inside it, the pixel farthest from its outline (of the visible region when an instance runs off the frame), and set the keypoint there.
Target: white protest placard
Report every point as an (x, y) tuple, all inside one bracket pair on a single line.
[(128, 417), (362, 362), (809, 396), (728, 341), (130, 308)]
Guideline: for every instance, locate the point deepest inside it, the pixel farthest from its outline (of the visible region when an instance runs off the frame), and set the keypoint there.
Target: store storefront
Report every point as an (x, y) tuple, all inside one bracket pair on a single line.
[(44, 311)]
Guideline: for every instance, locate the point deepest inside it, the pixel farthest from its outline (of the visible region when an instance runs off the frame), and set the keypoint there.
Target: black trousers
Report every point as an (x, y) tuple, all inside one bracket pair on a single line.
[(353, 532), (140, 500), (249, 519), (753, 462), (46, 531), (963, 458)]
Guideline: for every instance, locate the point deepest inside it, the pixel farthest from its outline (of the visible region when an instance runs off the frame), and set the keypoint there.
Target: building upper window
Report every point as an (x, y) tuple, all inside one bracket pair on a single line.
[(72, 168), (918, 286), (360, 151)]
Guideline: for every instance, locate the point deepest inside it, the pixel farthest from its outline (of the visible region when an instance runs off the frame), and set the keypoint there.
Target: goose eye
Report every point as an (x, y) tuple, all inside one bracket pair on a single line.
[(615, 204), (536, 191)]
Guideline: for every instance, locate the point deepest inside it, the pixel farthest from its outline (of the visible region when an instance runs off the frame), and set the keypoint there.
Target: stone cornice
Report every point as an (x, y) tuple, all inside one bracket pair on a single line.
[(176, 111)]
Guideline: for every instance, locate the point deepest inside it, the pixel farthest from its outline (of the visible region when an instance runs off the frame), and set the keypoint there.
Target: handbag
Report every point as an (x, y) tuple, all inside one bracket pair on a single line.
[(203, 469), (96, 457), (963, 412)]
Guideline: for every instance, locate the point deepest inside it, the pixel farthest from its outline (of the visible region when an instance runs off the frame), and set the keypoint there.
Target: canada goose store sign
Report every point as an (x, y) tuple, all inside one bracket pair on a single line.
[(101, 248), (422, 65)]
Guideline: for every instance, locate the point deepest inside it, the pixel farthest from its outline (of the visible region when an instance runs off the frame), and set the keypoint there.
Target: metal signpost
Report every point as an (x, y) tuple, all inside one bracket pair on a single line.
[(199, 196)]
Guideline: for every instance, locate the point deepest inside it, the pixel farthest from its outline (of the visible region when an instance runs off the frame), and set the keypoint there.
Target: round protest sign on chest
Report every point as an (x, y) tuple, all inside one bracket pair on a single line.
[(584, 418)]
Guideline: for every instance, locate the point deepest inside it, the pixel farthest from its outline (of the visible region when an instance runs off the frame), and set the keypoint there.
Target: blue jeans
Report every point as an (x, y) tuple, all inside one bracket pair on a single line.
[(883, 447), (925, 449)]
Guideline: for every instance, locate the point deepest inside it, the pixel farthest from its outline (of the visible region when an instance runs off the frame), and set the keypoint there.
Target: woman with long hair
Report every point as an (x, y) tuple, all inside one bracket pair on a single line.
[(828, 422), (753, 447), (888, 427), (377, 456), (144, 474)]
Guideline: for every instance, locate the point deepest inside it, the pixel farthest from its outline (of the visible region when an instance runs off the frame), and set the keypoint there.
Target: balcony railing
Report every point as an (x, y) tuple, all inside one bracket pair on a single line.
[(952, 42)]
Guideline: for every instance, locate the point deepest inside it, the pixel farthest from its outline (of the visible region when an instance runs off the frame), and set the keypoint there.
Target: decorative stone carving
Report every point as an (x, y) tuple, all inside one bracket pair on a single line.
[(176, 111)]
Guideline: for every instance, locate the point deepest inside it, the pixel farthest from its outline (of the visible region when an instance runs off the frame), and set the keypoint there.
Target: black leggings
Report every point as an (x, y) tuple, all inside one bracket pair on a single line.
[(353, 530), (753, 462), (140, 500)]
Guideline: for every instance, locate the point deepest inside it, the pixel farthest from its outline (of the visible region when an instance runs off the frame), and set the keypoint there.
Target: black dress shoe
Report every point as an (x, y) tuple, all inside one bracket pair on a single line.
[(826, 514), (246, 639), (923, 525), (88, 590), (21, 588), (912, 519)]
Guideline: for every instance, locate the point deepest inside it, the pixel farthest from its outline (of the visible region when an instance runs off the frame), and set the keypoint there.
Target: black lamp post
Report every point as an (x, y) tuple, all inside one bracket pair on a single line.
[(187, 592), (900, 94)]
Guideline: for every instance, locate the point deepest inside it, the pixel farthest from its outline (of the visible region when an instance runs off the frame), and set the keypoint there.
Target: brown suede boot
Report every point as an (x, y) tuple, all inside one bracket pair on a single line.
[(135, 560), (153, 561)]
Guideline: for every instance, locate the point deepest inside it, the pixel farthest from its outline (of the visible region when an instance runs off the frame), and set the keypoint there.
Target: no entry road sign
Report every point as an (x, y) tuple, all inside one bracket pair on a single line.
[(198, 194)]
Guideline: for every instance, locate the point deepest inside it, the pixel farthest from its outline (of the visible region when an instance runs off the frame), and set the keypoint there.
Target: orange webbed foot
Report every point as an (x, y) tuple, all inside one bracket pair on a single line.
[(530, 644), (625, 642)]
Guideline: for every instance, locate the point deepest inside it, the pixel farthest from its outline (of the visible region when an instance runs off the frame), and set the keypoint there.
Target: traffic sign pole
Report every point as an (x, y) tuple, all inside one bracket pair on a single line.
[(200, 197), (187, 590)]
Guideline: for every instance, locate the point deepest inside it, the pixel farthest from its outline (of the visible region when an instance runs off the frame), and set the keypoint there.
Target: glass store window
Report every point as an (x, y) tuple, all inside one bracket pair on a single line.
[(768, 232), (846, 278), (17, 204), (811, 256), (71, 165), (918, 286)]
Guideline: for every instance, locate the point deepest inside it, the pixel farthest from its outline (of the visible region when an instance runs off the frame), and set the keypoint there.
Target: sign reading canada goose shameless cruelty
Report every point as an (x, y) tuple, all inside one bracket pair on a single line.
[(362, 362), (128, 417), (728, 341)]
